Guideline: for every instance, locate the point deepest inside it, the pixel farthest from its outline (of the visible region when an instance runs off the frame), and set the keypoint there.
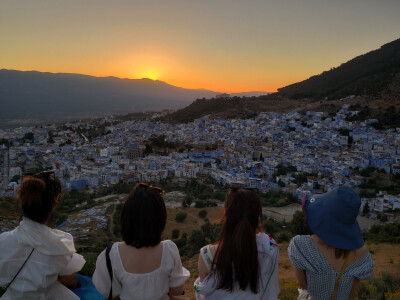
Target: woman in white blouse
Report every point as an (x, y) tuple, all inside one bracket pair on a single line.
[(243, 265), (36, 261), (143, 266)]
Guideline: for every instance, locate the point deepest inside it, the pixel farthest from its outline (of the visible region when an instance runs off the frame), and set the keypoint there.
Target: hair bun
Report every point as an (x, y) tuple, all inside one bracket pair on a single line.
[(31, 190)]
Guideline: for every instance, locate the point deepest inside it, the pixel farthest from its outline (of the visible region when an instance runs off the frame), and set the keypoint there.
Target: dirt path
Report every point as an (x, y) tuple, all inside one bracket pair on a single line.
[(105, 197), (282, 213)]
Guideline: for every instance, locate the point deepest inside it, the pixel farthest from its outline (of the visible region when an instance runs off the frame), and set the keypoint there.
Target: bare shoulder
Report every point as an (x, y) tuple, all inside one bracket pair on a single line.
[(202, 268), (358, 253)]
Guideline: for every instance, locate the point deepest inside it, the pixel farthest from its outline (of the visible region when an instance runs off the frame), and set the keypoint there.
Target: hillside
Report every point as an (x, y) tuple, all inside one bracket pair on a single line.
[(235, 107), (372, 74), (37, 95), (373, 77)]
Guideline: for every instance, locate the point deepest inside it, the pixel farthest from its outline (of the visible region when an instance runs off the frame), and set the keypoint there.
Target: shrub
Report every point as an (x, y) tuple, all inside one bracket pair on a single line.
[(187, 201), (203, 213), (283, 237), (175, 233), (299, 225), (180, 216), (180, 243), (205, 203), (380, 288)]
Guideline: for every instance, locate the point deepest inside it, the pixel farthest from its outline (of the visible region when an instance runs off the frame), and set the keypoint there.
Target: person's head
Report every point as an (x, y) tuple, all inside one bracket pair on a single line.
[(333, 218), (237, 251), (143, 216), (39, 195)]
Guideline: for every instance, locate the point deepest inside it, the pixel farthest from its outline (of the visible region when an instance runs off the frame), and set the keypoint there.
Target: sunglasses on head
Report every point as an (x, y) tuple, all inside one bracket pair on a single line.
[(148, 186), (41, 175), (235, 189)]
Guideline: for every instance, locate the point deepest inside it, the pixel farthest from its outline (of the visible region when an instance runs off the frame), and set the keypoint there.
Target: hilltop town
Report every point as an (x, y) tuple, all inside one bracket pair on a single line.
[(298, 153)]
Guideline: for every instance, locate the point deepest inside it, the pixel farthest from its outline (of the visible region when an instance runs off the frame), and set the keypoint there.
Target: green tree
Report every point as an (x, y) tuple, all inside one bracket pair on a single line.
[(211, 231), (5, 142), (50, 138), (365, 210), (202, 213), (182, 241), (15, 178), (283, 237), (187, 201), (175, 234), (28, 136), (148, 150), (272, 227), (298, 225), (180, 216), (197, 240)]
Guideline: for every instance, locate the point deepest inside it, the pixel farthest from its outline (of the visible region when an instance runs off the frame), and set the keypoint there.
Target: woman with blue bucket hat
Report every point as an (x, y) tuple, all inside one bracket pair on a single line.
[(331, 263)]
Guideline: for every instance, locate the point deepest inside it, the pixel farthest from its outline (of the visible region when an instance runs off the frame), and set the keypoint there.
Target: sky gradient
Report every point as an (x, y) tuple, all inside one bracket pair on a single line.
[(225, 46)]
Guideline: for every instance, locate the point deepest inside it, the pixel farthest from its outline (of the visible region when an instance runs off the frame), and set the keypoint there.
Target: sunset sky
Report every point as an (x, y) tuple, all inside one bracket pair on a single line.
[(225, 46)]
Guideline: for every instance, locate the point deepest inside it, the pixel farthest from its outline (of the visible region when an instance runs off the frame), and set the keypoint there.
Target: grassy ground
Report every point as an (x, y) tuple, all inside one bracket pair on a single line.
[(192, 221), (386, 256)]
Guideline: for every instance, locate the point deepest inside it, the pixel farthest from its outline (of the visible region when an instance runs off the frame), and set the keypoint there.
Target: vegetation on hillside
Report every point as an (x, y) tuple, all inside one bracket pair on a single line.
[(388, 233), (368, 74), (386, 286), (235, 107)]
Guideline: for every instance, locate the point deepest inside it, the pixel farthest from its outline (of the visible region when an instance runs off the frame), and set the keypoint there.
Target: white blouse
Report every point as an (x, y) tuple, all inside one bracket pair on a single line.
[(268, 286), (152, 286), (53, 255)]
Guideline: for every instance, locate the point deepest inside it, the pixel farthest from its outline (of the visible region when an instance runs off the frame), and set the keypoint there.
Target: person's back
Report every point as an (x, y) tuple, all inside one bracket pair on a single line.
[(146, 280), (143, 266), (243, 264), (330, 264), (322, 269), (268, 256), (39, 258)]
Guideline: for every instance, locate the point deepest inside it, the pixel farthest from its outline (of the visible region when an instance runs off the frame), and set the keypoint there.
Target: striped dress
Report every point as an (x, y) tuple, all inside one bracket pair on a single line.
[(321, 278)]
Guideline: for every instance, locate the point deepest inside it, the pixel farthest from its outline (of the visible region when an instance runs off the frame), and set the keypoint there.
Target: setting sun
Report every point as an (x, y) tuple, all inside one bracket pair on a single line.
[(150, 74)]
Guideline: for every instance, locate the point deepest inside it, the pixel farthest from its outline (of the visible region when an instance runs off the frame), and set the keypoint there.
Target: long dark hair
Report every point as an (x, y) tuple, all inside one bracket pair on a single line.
[(237, 249)]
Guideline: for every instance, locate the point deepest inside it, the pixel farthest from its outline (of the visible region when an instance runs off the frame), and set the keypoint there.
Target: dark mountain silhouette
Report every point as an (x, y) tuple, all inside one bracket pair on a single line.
[(37, 95), (375, 75), (370, 74)]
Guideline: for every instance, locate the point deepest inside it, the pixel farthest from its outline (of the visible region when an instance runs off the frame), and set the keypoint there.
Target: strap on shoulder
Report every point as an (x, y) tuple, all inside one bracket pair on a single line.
[(109, 266), (15, 276), (340, 277)]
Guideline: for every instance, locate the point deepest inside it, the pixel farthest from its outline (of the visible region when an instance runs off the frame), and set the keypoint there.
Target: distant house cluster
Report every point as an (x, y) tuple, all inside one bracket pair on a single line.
[(324, 149)]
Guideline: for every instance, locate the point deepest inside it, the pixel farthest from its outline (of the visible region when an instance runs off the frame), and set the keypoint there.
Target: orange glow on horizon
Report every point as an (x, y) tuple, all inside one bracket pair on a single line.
[(209, 49)]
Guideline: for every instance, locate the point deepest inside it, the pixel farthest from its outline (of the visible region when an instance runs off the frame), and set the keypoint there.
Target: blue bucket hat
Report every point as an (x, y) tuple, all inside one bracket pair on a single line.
[(333, 217)]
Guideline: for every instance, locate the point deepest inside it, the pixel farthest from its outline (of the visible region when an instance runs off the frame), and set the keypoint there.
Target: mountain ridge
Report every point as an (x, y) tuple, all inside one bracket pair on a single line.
[(43, 95), (370, 79), (29, 96), (367, 74)]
